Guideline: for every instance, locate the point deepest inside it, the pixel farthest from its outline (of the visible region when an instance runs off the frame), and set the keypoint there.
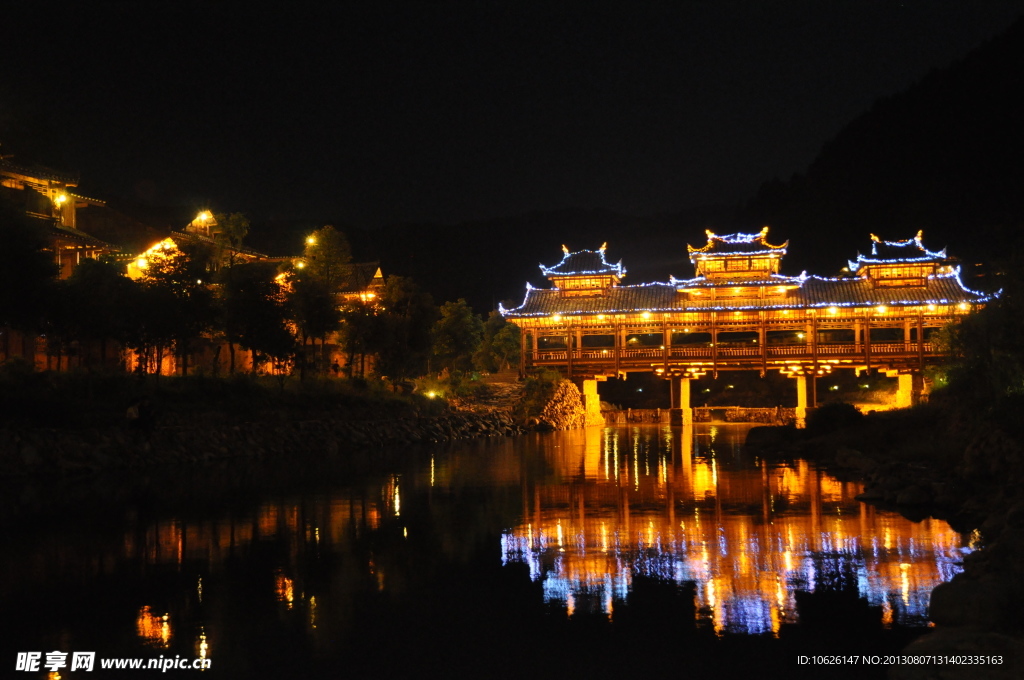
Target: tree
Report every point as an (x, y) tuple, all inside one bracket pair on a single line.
[(27, 272), (360, 334), (456, 337), (96, 299), (500, 345), (406, 318), (151, 309), (314, 310), (174, 281), (326, 256), (253, 313), (231, 231)]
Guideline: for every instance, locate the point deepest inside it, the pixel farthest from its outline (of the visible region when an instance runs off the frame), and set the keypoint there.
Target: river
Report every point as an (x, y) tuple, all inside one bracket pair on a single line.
[(599, 552)]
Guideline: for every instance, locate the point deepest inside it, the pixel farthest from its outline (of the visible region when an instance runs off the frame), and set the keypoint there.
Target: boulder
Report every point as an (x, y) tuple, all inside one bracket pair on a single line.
[(913, 495)]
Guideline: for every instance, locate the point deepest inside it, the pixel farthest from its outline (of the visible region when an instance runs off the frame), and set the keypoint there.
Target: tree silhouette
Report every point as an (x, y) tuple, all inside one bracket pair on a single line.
[(326, 257), (456, 337)]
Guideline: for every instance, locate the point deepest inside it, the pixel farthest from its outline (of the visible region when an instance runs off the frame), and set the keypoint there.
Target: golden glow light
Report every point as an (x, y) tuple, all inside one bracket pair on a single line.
[(202, 646), (155, 253), (311, 240), (284, 587), (154, 630)]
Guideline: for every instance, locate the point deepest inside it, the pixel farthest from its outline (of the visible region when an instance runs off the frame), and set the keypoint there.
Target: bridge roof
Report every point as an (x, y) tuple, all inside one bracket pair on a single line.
[(583, 263), (813, 292), (896, 252), (729, 244)]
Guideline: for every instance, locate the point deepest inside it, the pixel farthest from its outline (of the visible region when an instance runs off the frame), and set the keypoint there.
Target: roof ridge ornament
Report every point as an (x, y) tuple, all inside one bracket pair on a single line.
[(584, 263)]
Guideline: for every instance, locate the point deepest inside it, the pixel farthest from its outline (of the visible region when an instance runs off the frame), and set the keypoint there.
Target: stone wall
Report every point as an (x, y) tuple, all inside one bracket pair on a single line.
[(564, 410)]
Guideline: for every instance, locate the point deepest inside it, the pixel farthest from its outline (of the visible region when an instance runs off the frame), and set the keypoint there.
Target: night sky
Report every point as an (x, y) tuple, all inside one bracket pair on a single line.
[(371, 114)]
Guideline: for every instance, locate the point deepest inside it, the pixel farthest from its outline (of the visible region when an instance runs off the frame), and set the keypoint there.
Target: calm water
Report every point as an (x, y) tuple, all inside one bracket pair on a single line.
[(605, 552)]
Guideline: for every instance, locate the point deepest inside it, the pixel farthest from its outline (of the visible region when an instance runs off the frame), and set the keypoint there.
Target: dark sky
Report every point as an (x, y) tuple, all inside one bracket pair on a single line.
[(380, 112)]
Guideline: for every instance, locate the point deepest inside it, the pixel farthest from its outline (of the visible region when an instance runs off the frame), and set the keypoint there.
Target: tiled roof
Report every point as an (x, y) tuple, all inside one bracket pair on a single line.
[(584, 262), (771, 280), (62, 232), (358, 277), (38, 172), (819, 292), (814, 292), (738, 243), (910, 250), (190, 236)]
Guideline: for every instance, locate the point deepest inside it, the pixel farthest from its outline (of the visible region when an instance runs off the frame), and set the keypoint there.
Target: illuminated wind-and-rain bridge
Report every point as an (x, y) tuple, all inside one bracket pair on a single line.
[(740, 313)]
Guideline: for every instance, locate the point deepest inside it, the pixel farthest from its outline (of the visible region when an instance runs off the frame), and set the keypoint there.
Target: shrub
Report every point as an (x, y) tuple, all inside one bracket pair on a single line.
[(832, 417)]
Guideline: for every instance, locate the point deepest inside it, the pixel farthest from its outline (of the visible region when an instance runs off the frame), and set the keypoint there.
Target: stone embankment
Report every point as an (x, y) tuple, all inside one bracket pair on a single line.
[(62, 451), (53, 451), (564, 411)]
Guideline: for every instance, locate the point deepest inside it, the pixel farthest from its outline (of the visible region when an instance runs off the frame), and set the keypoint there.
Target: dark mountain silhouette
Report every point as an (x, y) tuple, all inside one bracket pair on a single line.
[(943, 156), (489, 261)]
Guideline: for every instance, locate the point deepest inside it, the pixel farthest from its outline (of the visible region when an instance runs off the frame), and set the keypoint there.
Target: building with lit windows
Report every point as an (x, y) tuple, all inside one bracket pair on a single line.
[(739, 312), (46, 195)]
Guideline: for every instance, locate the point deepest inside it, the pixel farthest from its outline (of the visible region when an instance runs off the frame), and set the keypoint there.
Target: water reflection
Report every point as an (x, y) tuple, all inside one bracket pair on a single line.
[(153, 629), (300, 561), (685, 507)]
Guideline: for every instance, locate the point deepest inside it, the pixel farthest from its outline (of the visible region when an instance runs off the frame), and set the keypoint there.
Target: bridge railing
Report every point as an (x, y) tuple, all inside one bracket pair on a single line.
[(752, 351)]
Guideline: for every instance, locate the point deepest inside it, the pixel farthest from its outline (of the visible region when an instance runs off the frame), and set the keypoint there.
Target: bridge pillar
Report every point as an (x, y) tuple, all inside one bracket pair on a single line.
[(801, 400), (909, 389), (681, 413), (592, 402), (904, 391)]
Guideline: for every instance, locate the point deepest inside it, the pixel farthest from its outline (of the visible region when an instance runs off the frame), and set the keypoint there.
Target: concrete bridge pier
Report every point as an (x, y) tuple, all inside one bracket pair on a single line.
[(681, 413), (801, 400), (806, 377), (910, 388), (591, 400)]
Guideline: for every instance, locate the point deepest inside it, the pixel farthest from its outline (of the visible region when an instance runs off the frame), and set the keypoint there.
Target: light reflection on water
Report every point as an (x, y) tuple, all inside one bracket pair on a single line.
[(330, 559), (671, 505)]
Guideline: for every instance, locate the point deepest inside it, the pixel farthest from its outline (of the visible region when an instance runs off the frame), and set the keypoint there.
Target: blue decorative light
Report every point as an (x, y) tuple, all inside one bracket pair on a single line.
[(737, 239), (607, 268), (678, 306), (910, 243)]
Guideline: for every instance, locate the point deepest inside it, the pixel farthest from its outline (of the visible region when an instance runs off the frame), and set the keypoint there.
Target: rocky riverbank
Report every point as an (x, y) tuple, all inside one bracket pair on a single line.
[(66, 451), (58, 451)]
